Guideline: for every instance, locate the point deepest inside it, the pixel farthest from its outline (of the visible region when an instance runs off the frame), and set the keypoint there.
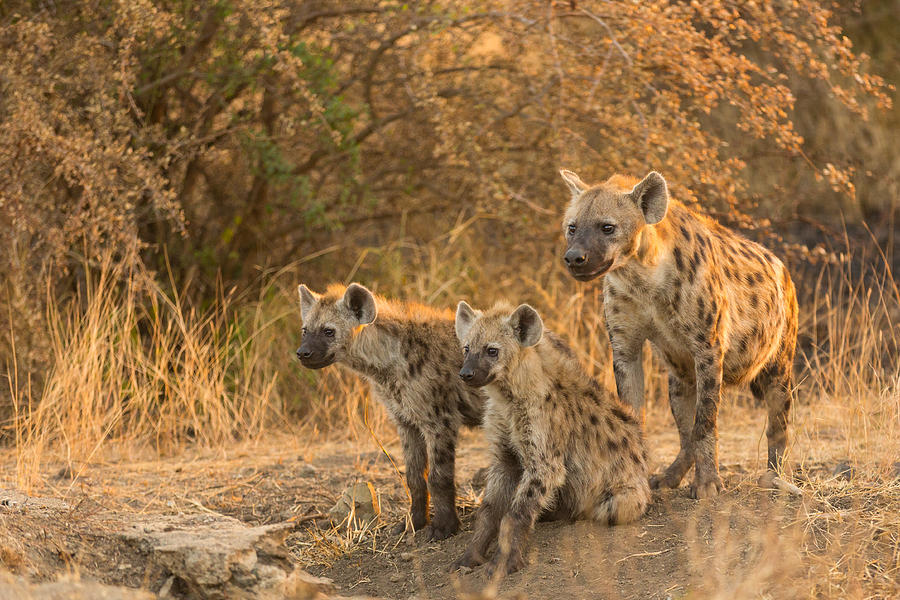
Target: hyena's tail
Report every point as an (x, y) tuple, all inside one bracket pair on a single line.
[(622, 505)]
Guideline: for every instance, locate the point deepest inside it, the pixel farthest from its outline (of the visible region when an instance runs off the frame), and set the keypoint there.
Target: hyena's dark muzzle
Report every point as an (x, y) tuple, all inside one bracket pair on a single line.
[(315, 353), (586, 261), (476, 371)]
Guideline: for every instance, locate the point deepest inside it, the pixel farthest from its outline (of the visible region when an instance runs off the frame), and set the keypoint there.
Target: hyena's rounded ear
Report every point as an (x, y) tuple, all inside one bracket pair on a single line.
[(574, 182), (465, 317), (527, 325), (361, 303), (652, 197), (307, 300)]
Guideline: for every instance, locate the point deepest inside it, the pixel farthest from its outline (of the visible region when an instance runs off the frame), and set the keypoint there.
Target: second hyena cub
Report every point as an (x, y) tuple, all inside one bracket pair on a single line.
[(410, 355), (563, 447)]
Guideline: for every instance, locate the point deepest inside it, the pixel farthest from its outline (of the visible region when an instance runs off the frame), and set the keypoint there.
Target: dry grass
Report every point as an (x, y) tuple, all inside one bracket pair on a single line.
[(136, 367)]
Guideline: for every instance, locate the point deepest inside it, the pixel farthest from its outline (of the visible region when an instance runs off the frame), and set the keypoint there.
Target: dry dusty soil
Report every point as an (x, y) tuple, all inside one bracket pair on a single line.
[(245, 522)]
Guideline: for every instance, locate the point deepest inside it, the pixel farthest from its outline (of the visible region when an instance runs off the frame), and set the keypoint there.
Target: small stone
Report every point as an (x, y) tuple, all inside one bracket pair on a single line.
[(396, 577), (307, 470), (65, 473), (406, 556), (464, 570), (166, 588), (844, 470), (361, 501)]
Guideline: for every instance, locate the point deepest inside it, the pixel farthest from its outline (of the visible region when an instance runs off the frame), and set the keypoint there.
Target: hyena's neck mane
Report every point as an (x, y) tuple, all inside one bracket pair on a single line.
[(380, 350), (374, 349), (524, 378), (655, 244)]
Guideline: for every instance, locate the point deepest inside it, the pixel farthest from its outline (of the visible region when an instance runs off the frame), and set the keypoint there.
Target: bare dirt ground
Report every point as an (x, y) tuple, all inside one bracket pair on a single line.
[(121, 521)]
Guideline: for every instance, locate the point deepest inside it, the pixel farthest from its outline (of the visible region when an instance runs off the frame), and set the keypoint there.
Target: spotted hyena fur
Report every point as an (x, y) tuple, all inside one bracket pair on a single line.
[(717, 307), (410, 355), (562, 446)]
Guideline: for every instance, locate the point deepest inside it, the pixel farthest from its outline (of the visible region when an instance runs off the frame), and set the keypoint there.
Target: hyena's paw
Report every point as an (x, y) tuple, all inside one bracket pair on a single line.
[(469, 560), (674, 473), (664, 480), (440, 529), (399, 528), (706, 487), (502, 565), (418, 522)]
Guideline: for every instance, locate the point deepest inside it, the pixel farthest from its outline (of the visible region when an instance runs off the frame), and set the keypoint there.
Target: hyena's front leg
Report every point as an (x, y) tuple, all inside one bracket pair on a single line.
[(442, 485), (415, 458), (536, 489), (683, 402), (628, 368), (704, 438), (503, 476)]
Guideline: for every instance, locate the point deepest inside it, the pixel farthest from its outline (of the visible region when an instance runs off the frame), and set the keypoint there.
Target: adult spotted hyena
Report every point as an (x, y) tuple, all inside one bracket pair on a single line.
[(410, 356), (716, 306), (563, 447)]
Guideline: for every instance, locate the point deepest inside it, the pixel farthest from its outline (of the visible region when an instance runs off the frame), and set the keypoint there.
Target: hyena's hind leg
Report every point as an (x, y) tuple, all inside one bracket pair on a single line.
[(415, 458), (442, 486), (622, 505), (773, 385)]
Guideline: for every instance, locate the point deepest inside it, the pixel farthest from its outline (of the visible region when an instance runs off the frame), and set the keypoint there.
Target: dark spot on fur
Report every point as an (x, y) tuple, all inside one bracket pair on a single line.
[(594, 421), (621, 414), (679, 261), (558, 343)]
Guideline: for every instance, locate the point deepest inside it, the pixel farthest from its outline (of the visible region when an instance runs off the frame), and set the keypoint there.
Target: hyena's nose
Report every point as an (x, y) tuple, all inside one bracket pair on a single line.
[(301, 353), (467, 373), (575, 257)]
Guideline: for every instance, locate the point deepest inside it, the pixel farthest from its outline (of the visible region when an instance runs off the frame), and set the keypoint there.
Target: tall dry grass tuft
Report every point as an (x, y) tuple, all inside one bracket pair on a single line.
[(135, 365), (849, 371)]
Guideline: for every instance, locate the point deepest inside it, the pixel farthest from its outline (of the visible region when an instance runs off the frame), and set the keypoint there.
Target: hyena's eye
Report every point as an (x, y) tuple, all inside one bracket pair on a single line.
[(571, 228), (328, 331), (465, 349), (607, 228), (493, 352), (303, 330)]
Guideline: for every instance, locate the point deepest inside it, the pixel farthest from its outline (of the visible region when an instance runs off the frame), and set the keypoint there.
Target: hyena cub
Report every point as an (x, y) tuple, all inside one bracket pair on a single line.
[(563, 447), (717, 307), (410, 356)]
